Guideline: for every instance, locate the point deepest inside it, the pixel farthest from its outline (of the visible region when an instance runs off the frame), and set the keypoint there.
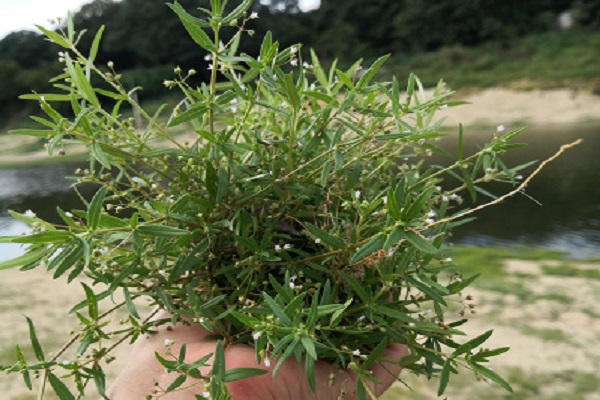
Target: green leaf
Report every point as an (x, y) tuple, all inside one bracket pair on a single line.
[(44, 237), (27, 258), (444, 377), (59, 388), (177, 383), (129, 303), (92, 302), (326, 238), (366, 78), (473, 343), (393, 238), (194, 27), (421, 244), (95, 208), (291, 91), (24, 371), (96, 44), (237, 12), (236, 374), (277, 310), (491, 375), (194, 112), (161, 230), (374, 244), (35, 344), (55, 37), (100, 155), (356, 287), (345, 79), (309, 346), (427, 290), (395, 314)]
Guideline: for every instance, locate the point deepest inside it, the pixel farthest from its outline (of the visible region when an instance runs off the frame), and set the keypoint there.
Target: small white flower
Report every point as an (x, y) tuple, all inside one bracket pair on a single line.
[(519, 177), (277, 247), (448, 259), (210, 67), (357, 194), (208, 57), (429, 221), (267, 362), (356, 353), (312, 86), (287, 246), (294, 63), (385, 199), (69, 214), (443, 106), (29, 214), (317, 240), (254, 15), (256, 335), (162, 272), (438, 188), (294, 50), (201, 320), (444, 198), (361, 318), (292, 285), (454, 196), (305, 65), (206, 395), (169, 342), (293, 278), (431, 214), (458, 279), (500, 128)]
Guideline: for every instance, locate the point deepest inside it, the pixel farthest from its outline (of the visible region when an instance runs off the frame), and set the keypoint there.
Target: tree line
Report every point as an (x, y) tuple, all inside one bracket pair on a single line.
[(144, 40)]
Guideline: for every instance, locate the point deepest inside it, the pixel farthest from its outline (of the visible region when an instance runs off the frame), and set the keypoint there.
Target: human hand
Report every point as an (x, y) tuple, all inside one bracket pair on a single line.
[(144, 374)]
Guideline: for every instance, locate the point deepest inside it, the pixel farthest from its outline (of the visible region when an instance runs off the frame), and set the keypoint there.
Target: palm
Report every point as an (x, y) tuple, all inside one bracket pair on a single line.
[(144, 374)]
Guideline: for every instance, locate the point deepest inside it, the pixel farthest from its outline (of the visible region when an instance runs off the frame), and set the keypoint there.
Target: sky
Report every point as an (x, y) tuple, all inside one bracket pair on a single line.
[(25, 14)]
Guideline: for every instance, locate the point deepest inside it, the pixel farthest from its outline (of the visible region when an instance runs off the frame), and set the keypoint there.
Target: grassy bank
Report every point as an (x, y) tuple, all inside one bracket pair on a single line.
[(550, 60)]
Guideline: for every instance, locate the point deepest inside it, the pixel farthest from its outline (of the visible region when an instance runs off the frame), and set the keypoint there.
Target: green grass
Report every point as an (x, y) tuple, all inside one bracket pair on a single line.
[(489, 261), (571, 271), (549, 60)]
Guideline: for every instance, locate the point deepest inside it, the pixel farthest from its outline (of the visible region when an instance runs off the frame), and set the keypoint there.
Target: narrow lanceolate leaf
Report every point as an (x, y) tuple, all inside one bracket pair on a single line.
[(375, 244), (237, 12), (444, 377), (421, 244), (491, 375), (236, 374), (60, 388), (27, 258), (35, 344), (96, 44), (25, 372), (95, 208), (324, 237), (277, 310), (92, 301), (473, 343), (44, 237), (366, 78), (55, 37), (161, 230), (100, 155), (194, 112), (194, 27), (177, 383)]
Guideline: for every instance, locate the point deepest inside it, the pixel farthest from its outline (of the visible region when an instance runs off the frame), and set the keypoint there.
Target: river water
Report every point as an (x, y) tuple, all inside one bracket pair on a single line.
[(568, 218)]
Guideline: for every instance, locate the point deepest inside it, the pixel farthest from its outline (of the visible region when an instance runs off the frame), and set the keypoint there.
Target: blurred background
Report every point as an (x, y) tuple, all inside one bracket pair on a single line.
[(532, 63)]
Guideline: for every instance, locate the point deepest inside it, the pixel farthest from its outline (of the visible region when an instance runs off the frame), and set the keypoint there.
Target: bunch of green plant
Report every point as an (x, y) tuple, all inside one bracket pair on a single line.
[(302, 216)]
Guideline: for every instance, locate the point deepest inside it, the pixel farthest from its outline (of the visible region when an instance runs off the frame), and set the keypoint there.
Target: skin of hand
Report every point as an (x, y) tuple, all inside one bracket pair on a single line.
[(143, 373)]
